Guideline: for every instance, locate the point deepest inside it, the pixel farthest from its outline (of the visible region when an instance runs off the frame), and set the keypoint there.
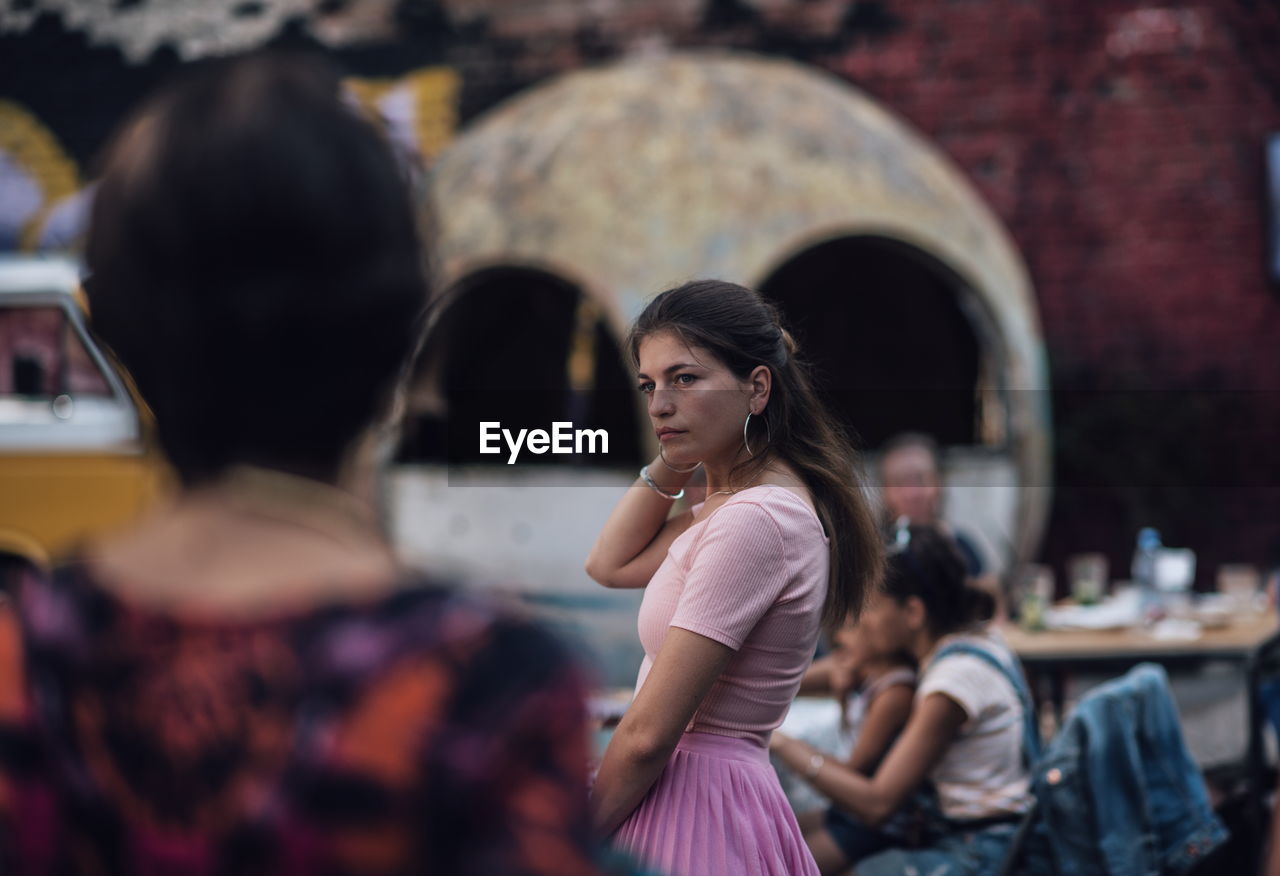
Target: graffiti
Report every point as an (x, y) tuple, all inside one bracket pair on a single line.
[(44, 204), (128, 47), (193, 27), (419, 109), (39, 185)]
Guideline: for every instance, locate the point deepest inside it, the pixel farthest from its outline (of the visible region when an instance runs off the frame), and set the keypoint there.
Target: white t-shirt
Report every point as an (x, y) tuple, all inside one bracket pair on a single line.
[(981, 774)]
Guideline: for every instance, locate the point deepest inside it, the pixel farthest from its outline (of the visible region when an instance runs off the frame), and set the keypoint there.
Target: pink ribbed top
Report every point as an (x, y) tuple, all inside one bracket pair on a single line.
[(751, 575)]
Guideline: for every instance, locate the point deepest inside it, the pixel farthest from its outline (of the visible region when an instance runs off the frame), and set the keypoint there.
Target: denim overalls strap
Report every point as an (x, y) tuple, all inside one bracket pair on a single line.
[(1031, 748)]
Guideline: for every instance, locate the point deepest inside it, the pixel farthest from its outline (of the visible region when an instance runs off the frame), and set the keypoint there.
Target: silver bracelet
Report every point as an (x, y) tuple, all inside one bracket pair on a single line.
[(644, 476)]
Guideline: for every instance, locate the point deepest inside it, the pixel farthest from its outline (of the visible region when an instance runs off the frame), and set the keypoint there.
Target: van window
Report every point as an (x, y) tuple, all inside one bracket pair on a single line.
[(42, 355)]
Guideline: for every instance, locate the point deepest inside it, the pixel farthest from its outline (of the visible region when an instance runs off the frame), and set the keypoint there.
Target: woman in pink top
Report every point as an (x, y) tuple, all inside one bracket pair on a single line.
[(736, 586)]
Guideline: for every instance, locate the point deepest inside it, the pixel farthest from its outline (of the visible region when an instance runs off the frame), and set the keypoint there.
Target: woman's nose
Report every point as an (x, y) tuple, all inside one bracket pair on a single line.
[(660, 403)]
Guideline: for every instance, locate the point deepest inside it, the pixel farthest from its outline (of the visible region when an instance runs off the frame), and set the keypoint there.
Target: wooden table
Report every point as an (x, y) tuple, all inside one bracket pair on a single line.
[(1251, 642), (1243, 636)]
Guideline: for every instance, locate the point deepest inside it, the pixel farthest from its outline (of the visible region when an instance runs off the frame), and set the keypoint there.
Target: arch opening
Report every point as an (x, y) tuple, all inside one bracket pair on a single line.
[(525, 348), (885, 328)]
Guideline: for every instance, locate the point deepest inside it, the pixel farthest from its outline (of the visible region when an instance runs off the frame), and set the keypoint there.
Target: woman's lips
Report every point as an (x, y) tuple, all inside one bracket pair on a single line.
[(668, 435)]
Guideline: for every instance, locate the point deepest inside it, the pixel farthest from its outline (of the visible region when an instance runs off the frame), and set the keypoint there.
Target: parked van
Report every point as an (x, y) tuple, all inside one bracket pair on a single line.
[(74, 454)]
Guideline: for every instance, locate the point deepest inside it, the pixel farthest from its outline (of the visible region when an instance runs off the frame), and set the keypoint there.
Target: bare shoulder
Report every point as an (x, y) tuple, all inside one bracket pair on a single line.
[(194, 554), (784, 476), (894, 698)]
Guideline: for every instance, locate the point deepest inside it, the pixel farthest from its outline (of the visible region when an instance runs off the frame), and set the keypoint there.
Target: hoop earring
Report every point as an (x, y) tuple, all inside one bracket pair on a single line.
[(672, 467), (768, 433)]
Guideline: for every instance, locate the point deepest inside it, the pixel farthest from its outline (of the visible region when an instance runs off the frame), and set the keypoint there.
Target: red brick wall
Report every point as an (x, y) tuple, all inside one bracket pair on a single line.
[(1123, 147)]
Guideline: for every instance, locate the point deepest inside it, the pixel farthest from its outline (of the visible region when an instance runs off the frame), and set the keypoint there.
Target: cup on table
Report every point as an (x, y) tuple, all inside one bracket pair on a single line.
[(1240, 583), (1088, 576), (1035, 588)]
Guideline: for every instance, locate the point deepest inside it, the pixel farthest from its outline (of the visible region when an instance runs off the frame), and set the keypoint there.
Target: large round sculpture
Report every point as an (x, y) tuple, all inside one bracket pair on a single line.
[(632, 177)]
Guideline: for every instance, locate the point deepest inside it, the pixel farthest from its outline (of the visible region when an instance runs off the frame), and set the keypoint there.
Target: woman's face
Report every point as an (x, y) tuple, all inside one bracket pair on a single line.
[(911, 485), (886, 625), (851, 640), (696, 405)]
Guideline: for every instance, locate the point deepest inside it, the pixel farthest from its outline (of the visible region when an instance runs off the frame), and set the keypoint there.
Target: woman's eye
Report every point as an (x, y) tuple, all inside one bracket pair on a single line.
[(646, 388), (685, 379)]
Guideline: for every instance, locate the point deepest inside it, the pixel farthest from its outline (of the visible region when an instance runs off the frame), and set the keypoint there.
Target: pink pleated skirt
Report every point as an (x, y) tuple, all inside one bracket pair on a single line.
[(717, 809)]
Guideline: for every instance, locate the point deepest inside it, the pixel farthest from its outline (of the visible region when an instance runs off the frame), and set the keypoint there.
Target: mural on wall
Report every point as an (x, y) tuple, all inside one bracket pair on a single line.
[(419, 109), (41, 202), (52, 126), (44, 204), (422, 66), (199, 28)]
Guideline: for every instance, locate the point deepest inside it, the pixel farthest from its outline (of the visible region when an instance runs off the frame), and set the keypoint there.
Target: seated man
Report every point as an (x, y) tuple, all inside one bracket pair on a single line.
[(911, 487)]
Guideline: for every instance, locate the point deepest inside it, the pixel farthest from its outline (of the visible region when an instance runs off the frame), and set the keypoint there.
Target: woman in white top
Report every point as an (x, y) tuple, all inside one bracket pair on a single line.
[(966, 731)]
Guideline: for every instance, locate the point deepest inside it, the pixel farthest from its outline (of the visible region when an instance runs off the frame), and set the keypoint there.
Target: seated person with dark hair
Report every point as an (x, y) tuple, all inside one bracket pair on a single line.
[(970, 735)]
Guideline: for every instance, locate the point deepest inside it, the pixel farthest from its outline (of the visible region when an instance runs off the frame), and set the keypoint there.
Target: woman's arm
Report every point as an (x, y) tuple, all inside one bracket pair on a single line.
[(635, 538), (683, 672), (886, 716), (931, 729)]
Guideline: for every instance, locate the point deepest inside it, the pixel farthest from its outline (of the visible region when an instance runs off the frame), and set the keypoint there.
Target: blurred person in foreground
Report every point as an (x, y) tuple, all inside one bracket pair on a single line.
[(249, 682)]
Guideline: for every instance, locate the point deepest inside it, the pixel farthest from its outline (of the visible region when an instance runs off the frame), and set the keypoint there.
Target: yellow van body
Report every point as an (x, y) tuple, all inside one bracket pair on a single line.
[(75, 459)]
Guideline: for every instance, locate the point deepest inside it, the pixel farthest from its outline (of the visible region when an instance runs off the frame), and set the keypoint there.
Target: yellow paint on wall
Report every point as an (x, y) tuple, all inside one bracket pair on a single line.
[(435, 102), (34, 149)]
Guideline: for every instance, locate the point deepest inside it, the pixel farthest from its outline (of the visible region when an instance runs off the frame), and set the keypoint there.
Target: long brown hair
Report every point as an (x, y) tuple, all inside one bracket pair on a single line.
[(743, 330)]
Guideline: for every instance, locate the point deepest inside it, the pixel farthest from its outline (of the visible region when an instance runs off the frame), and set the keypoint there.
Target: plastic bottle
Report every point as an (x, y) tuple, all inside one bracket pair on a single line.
[(1144, 574)]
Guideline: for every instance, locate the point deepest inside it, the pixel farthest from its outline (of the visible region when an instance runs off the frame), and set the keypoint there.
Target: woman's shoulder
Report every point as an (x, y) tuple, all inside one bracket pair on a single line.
[(784, 506), (974, 668), (898, 676), (984, 637), (966, 653)]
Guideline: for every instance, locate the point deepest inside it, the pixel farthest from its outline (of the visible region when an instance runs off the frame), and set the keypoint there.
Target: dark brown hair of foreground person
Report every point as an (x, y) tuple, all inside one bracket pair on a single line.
[(255, 265), (248, 681), (744, 330)]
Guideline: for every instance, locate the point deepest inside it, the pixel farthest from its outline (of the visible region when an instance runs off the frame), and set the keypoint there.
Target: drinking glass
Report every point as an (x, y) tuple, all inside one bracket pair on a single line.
[(1036, 586), (1088, 576), (1239, 582)]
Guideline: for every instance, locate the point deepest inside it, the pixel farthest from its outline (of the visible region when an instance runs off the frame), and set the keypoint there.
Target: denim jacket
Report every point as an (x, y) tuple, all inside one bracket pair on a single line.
[(1117, 791)]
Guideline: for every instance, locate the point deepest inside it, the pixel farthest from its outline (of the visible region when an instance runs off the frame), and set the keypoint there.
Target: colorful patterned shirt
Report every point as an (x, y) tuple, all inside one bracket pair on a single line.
[(418, 732)]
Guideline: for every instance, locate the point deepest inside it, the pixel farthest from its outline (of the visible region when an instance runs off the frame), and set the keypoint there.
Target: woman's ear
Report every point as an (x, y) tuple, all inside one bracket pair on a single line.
[(760, 383), (917, 617)]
